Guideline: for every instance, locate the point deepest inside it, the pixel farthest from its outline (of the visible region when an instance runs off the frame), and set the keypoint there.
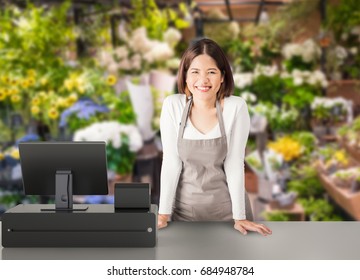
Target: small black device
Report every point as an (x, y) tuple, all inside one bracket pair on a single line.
[(132, 196)]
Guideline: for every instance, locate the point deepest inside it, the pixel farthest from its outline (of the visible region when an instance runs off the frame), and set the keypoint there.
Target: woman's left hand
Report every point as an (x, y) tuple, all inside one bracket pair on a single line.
[(244, 225)]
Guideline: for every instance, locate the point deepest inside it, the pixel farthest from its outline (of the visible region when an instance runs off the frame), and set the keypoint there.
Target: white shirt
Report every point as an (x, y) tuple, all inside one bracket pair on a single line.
[(237, 125)]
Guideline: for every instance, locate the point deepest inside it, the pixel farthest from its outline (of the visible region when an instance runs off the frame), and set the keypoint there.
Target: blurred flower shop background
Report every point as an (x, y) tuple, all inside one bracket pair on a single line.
[(100, 70)]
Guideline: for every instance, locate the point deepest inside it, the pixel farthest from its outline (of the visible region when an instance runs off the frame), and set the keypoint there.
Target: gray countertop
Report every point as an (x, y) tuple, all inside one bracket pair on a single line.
[(215, 240)]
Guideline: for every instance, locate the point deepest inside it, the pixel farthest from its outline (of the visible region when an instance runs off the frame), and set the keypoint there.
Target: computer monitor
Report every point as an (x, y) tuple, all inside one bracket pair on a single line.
[(63, 169)]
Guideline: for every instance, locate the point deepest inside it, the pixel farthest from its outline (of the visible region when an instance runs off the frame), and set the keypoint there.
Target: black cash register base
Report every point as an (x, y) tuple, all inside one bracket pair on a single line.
[(101, 225)]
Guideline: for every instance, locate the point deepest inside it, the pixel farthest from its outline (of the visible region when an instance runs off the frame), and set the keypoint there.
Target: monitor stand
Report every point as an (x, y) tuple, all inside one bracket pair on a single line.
[(64, 193)]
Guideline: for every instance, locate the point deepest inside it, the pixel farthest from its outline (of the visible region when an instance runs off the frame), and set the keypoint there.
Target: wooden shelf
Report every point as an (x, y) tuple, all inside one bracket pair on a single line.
[(349, 201), (353, 152), (296, 211)]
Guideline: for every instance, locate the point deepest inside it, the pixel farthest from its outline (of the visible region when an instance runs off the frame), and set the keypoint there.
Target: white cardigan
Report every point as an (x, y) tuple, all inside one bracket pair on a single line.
[(237, 125)]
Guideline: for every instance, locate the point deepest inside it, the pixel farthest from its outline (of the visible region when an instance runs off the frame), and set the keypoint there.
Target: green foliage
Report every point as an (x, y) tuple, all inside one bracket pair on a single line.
[(343, 16), (296, 62), (285, 23), (299, 96), (34, 37), (283, 120), (305, 182), (120, 108), (245, 54), (120, 160), (307, 140), (342, 131), (156, 21), (241, 54), (356, 124), (268, 88), (5, 132), (319, 210), (342, 22), (276, 216)]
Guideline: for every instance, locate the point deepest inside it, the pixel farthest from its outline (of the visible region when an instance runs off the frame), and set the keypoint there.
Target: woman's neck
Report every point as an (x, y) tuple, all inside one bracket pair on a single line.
[(202, 104)]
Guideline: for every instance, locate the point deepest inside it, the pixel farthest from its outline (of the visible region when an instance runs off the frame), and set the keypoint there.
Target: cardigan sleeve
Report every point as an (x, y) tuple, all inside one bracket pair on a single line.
[(171, 165), (234, 162)]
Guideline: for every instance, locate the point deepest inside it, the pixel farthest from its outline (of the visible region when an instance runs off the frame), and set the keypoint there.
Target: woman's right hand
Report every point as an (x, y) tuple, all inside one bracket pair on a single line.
[(163, 220)]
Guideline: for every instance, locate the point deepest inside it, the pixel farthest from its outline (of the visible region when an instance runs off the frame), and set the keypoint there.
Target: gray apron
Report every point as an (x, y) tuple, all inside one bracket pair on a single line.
[(202, 193)]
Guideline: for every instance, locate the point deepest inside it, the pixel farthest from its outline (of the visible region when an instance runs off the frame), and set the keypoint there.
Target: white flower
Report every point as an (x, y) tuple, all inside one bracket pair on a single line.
[(285, 74), (249, 97), (298, 81), (354, 50), (23, 24), (160, 52), (265, 70), (242, 80), (122, 31), (234, 27), (355, 30), (173, 63), (139, 42), (311, 51), (172, 36), (111, 132), (136, 62), (113, 67), (121, 52), (340, 52), (105, 58), (308, 50), (344, 36), (125, 64)]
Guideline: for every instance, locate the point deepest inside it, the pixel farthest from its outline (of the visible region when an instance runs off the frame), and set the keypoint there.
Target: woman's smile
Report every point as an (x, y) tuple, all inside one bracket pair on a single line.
[(204, 78)]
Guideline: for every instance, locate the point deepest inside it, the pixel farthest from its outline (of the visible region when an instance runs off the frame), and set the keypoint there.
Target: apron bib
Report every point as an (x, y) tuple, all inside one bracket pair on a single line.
[(202, 193)]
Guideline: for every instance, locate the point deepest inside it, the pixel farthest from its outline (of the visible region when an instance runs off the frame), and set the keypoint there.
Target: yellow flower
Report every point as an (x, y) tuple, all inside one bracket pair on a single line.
[(287, 147), (111, 80), (5, 79), (7, 91), (31, 73), (13, 91), (340, 156), (2, 95), (81, 89), (2, 156), (25, 84), (66, 103), (43, 81), (69, 84), (73, 97), (42, 95), (35, 101), (62, 103), (53, 113), (15, 153), (35, 110), (15, 98), (14, 82), (31, 81)]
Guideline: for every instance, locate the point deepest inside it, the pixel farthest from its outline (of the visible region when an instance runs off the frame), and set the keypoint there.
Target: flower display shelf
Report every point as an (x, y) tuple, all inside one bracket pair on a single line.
[(296, 211), (348, 200), (355, 153), (349, 89)]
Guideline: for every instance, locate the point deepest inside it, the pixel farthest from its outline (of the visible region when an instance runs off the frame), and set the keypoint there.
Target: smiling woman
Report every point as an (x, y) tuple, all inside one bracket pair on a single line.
[(202, 176)]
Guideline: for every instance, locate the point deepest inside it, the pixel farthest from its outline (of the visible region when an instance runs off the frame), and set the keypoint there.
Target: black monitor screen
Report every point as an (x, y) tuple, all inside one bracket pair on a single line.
[(86, 161)]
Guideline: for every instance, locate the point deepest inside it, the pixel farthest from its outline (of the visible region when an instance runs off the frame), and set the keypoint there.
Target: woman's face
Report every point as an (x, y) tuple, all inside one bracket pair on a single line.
[(204, 78)]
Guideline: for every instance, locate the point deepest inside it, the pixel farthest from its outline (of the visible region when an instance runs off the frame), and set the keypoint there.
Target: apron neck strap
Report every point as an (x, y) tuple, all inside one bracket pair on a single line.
[(186, 113)]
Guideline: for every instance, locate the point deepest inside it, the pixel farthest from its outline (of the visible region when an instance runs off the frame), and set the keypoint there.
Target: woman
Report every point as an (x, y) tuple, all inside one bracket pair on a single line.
[(204, 134)]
